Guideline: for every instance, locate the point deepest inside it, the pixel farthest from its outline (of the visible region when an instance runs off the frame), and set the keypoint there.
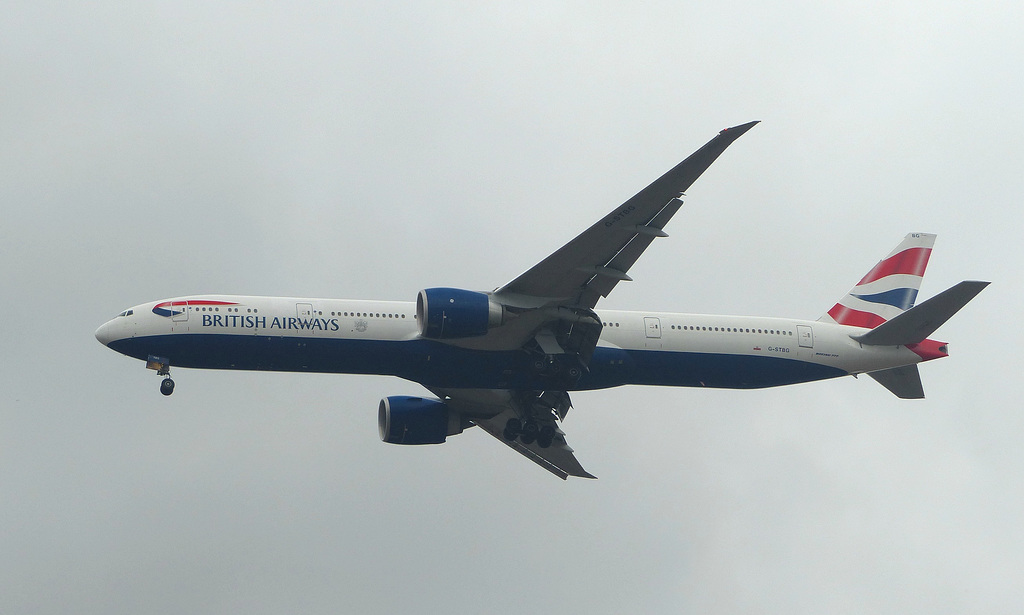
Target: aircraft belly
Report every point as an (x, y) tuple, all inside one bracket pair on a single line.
[(719, 370), (433, 364), (440, 365)]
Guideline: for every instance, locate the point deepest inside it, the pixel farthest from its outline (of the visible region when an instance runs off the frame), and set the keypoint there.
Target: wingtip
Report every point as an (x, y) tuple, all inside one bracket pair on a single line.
[(736, 131)]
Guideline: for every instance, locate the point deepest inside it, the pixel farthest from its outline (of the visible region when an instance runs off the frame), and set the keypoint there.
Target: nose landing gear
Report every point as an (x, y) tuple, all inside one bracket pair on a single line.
[(163, 368)]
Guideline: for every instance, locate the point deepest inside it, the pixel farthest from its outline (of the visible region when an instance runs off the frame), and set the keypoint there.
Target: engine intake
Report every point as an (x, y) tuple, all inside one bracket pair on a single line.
[(415, 420), (452, 313)]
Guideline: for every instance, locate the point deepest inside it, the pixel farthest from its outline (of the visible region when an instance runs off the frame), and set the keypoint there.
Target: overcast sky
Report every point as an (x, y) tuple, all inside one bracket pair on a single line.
[(357, 150)]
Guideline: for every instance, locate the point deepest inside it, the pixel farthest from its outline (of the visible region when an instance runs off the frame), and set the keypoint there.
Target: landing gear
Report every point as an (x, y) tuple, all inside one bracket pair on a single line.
[(559, 371), (530, 431), (546, 435), (163, 368), (539, 424), (512, 429)]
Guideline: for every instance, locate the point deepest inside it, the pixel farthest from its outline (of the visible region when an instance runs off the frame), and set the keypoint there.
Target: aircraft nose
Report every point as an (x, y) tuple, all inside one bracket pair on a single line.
[(106, 333)]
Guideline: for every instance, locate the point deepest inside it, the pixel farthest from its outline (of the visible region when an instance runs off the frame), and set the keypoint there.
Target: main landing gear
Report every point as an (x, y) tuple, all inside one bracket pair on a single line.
[(536, 418), (163, 368), (529, 432)]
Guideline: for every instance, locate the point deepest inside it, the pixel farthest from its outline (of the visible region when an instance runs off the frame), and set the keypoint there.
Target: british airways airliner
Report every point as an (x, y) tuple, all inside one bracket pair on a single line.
[(506, 360)]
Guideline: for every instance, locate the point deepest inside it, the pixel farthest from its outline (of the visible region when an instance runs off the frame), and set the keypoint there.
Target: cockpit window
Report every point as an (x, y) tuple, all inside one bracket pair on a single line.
[(126, 313)]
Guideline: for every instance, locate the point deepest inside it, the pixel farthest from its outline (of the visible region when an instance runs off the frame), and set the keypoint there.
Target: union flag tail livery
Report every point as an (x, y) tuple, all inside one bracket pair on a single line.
[(889, 289), (506, 360)]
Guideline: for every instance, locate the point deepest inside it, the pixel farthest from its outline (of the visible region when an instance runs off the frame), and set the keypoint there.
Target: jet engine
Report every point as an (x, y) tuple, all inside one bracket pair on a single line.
[(452, 313), (415, 420)]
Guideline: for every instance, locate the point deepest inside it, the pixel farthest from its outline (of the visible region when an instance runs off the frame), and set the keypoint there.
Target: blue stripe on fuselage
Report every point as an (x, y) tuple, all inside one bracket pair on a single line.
[(438, 365)]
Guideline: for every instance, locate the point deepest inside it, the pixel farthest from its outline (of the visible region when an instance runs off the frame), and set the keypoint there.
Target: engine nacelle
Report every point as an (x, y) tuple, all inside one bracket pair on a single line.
[(415, 420), (452, 313)]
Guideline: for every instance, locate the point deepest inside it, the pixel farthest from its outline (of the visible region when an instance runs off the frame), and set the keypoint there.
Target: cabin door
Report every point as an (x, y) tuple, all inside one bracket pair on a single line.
[(805, 335), (652, 326)]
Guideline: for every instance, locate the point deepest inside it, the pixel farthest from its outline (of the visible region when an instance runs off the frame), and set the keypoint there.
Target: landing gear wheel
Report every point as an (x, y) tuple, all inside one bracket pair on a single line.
[(512, 429), (529, 432), (546, 435), (167, 386)]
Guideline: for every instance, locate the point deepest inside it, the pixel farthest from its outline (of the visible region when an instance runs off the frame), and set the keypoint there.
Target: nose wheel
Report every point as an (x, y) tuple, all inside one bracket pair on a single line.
[(163, 368)]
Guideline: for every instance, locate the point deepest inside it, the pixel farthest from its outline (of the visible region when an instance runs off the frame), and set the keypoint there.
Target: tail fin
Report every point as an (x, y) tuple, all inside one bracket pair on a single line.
[(889, 289)]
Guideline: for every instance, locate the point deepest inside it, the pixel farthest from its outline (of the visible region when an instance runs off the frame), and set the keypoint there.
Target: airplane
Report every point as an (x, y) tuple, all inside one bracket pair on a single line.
[(506, 360)]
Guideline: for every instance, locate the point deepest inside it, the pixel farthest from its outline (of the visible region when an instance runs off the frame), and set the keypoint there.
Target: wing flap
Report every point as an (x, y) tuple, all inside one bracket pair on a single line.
[(630, 253)]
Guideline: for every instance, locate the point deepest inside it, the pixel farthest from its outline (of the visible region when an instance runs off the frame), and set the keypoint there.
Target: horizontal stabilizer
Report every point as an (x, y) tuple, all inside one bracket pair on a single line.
[(917, 323), (904, 382)]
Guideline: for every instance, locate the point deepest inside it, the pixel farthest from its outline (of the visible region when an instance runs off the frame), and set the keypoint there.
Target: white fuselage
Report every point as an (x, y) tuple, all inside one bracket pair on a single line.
[(353, 336)]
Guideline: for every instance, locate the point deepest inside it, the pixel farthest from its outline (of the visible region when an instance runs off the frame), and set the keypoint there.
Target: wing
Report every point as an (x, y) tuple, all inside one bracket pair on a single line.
[(587, 268), (549, 311), (492, 409)]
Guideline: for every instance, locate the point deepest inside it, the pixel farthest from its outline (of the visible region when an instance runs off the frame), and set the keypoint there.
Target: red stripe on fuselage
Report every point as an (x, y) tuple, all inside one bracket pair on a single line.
[(912, 261), (174, 303)]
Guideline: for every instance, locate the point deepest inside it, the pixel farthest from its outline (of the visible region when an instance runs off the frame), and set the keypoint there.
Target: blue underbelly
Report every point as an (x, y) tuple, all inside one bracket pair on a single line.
[(438, 365)]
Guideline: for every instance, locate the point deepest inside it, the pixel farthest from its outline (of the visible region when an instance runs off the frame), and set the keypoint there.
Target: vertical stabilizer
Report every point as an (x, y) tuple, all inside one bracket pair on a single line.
[(889, 289)]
